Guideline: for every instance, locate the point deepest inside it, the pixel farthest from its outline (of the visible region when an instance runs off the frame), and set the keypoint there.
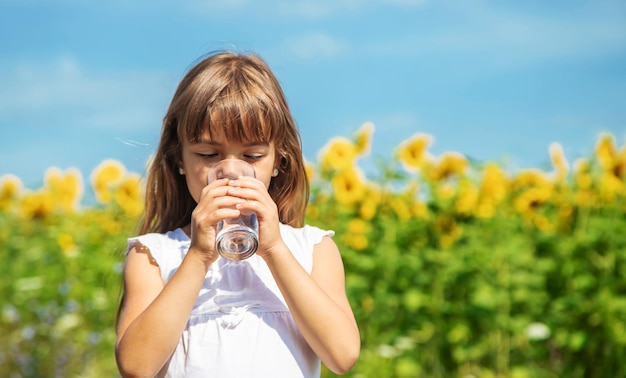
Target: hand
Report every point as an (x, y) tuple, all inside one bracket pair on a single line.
[(214, 204), (257, 199)]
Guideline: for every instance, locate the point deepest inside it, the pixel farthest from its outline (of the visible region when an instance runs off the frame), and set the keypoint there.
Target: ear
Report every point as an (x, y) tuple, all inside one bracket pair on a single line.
[(279, 164)]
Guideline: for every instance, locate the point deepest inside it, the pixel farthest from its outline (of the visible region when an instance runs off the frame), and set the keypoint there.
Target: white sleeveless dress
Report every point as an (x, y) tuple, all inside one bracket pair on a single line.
[(240, 325)]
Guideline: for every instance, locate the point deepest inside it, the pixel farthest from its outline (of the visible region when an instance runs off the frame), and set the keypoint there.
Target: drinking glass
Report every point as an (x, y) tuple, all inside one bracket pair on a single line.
[(237, 238)]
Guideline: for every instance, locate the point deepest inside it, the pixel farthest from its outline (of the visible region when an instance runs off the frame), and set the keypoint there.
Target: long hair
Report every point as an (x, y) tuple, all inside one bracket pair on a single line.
[(238, 96)]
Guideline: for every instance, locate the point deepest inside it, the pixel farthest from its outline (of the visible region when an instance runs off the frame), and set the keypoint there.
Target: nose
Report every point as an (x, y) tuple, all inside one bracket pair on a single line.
[(230, 168)]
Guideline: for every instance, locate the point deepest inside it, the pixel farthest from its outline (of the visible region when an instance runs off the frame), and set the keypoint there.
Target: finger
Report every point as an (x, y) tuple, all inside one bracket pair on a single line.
[(256, 204), (260, 203), (210, 195), (220, 186), (247, 182), (223, 208), (220, 181), (226, 213)]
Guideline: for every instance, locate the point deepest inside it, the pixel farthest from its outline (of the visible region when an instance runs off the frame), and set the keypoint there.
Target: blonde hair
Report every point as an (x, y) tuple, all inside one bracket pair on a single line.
[(238, 96)]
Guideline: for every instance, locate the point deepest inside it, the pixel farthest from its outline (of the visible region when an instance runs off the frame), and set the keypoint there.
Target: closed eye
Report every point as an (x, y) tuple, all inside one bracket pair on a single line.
[(207, 156)]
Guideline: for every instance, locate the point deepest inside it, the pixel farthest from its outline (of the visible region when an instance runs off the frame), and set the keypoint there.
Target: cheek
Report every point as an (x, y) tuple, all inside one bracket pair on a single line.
[(264, 175), (266, 180), (195, 184), (264, 172)]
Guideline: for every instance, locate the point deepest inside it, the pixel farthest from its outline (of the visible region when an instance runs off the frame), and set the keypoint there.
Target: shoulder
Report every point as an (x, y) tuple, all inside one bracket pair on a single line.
[(306, 235), (156, 242), (164, 250), (302, 242)]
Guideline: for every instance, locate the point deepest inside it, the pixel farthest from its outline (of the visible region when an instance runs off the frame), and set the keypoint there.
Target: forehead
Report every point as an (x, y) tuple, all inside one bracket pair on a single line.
[(230, 134), (221, 140), (228, 125)]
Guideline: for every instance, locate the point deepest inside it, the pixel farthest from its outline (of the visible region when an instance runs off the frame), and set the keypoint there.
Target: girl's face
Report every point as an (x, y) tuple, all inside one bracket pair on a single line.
[(197, 158)]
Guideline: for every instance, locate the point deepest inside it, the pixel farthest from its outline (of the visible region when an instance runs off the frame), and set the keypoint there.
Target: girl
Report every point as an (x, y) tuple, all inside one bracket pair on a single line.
[(187, 311)]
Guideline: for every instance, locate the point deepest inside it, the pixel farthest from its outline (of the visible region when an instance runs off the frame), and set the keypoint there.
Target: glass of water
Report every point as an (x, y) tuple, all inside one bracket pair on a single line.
[(237, 238)]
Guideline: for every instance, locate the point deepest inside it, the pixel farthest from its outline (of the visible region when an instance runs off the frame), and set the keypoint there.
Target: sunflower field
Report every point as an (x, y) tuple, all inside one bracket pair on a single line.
[(454, 268)]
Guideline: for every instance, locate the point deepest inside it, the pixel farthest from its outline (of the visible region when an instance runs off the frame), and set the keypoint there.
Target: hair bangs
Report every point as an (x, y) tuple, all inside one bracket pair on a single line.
[(242, 115)]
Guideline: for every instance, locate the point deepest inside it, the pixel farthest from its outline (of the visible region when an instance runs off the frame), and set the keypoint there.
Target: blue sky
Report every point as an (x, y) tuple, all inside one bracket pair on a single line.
[(82, 81)]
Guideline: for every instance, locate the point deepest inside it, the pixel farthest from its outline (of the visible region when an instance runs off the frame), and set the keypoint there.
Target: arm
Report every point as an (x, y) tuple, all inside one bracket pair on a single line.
[(319, 303), (155, 315), (149, 330)]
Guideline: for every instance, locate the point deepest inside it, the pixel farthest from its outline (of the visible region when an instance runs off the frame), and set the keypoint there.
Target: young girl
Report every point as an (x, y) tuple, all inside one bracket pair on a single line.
[(187, 312)]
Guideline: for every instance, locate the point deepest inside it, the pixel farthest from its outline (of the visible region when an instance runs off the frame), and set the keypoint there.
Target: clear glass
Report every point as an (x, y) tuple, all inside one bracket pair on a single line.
[(237, 238)]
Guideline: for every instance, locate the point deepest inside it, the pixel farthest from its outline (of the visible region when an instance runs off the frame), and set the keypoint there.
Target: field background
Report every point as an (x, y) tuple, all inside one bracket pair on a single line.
[(455, 268)]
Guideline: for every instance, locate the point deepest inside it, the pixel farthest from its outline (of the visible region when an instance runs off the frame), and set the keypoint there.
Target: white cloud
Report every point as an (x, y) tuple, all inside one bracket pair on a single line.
[(34, 86), (405, 2), (399, 121), (318, 9), (315, 46), (62, 88), (309, 9), (324, 8), (210, 6), (508, 38)]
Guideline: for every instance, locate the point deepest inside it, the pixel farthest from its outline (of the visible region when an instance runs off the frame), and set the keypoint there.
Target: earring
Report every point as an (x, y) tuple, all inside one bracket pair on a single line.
[(181, 171), (275, 172)]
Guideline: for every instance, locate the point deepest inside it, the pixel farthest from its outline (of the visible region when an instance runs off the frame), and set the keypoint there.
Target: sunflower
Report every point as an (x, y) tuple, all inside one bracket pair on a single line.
[(606, 153), (582, 174), (531, 199), (371, 202), (610, 186), (449, 164), (339, 154), (559, 162), (530, 178), (493, 190), (355, 237), (39, 204), (349, 186), (413, 153), (620, 163), (66, 187), (363, 138), (401, 207), (467, 197), (129, 195), (10, 189), (105, 177)]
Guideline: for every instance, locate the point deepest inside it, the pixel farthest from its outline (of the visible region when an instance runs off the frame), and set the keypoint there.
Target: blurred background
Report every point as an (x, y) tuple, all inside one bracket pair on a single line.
[(470, 155), (85, 81)]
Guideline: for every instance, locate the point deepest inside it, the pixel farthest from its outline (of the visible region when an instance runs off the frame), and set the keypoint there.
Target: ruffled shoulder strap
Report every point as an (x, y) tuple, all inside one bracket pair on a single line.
[(148, 243), (164, 250), (301, 242)]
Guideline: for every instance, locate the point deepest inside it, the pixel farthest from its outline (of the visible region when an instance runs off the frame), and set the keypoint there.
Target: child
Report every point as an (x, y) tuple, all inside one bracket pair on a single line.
[(187, 312)]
